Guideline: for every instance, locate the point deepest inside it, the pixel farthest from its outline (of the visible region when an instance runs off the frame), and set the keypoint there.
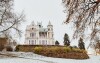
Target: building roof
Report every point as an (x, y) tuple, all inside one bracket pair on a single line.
[(49, 24), (43, 30), (33, 23)]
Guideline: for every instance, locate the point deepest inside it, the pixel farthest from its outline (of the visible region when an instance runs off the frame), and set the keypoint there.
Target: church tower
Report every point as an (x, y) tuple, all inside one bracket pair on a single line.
[(50, 30), (50, 33)]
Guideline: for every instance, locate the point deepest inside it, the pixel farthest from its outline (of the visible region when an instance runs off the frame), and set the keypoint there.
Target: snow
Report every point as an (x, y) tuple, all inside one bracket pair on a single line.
[(29, 57)]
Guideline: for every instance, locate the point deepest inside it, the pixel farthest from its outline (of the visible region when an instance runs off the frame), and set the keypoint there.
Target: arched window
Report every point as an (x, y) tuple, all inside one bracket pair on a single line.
[(43, 42), (46, 42), (48, 29), (32, 42), (29, 42), (39, 42), (32, 28), (32, 34), (35, 42)]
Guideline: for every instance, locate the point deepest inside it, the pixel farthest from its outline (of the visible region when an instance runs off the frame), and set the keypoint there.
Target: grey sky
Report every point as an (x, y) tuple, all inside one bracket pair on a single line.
[(45, 11)]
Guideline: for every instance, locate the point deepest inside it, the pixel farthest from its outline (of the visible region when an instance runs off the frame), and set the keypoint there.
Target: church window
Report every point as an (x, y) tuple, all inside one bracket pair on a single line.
[(43, 42), (32, 28), (29, 42), (46, 42), (48, 29), (35, 42), (40, 42), (32, 34), (39, 25), (32, 42)]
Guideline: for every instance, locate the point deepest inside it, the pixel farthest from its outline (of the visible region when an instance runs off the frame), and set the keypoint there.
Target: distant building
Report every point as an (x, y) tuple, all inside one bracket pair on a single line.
[(3, 43), (37, 35)]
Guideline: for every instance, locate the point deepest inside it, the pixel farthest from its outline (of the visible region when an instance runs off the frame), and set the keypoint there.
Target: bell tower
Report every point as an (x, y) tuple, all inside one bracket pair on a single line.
[(50, 33), (50, 27)]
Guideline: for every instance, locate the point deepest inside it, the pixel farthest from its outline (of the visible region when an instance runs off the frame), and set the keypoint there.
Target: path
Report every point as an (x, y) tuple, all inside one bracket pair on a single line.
[(34, 58)]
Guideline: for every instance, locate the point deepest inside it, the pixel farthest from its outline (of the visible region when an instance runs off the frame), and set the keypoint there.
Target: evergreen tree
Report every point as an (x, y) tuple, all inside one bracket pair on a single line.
[(66, 40), (81, 44), (56, 43)]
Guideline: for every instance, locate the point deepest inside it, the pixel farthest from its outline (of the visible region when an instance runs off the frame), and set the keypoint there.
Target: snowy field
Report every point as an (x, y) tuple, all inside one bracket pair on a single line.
[(34, 58)]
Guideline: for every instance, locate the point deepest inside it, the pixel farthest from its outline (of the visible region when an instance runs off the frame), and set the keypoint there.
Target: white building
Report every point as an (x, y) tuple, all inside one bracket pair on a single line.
[(37, 35)]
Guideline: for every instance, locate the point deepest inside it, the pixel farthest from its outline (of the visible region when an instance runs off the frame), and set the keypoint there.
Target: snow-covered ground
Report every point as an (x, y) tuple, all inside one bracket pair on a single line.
[(30, 57)]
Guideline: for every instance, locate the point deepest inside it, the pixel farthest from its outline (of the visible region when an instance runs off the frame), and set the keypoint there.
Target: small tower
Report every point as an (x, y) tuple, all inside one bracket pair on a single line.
[(32, 26), (50, 33), (50, 27), (32, 23), (39, 24)]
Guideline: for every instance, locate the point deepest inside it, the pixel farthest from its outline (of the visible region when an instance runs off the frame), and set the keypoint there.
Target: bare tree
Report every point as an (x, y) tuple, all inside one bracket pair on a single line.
[(95, 45), (9, 21), (85, 14)]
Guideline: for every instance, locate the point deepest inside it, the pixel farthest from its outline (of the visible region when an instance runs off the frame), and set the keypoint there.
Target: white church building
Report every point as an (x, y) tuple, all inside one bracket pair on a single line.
[(36, 34)]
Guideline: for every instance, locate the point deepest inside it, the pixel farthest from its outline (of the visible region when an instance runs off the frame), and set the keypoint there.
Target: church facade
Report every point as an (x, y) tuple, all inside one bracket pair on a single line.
[(36, 34)]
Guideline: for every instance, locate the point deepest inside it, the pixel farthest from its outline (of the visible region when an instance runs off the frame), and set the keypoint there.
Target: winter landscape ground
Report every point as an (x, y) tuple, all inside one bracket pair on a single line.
[(29, 57)]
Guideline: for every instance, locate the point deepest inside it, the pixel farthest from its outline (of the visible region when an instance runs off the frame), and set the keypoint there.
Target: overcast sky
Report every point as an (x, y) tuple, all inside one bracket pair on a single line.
[(44, 11)]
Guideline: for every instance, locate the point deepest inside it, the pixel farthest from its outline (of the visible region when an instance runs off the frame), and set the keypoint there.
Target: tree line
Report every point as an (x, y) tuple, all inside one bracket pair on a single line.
[(67, 42)]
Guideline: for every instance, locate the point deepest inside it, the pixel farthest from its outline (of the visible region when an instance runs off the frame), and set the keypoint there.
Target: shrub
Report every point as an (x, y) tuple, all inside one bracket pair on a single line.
[(61, 52), (66, 49), (74, 46), (38, 50), (24, 48), (17, 48), (9, 48), (77, 50), (55, 51)]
